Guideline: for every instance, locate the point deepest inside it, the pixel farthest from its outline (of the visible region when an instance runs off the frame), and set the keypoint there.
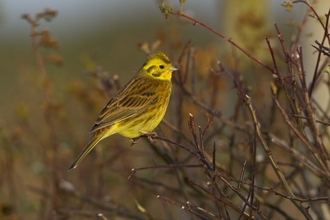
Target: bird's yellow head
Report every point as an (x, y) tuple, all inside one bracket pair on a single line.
[(158, 66)]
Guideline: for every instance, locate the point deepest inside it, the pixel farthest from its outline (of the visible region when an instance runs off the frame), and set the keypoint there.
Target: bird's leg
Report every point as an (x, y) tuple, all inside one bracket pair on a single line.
[(151, 135), (134, 141)]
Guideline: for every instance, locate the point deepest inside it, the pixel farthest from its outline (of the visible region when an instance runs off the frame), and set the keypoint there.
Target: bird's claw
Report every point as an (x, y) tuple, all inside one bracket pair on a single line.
[(151, 136), (134, 141)]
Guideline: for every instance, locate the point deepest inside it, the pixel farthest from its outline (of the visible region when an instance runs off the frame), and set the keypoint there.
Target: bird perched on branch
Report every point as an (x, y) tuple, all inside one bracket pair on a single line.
[(138, 107)]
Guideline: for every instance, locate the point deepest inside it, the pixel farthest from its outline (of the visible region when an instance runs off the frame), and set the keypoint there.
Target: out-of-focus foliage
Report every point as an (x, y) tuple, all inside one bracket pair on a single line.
[(237, 141)]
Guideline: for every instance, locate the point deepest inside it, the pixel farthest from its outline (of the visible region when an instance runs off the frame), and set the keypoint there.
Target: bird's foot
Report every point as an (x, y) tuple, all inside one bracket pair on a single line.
[(134, 141), (151, 136)]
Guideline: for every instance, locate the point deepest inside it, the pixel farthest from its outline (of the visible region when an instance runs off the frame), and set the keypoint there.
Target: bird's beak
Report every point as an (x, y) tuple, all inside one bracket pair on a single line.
[(172, 68)]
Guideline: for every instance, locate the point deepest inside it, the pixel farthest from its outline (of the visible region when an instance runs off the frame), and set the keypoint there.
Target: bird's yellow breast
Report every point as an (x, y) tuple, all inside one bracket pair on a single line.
[(149, 119)]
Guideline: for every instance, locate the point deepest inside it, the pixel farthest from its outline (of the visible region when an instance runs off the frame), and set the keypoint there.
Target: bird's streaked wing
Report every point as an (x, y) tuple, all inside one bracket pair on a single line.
[(125, 105)]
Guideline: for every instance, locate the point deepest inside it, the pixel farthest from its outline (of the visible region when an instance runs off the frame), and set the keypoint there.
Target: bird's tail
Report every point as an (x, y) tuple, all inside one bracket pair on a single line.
[(95, 139)]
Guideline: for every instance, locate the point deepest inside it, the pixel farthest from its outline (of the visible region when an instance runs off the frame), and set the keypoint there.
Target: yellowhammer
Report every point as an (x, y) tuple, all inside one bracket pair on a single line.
[(138, 107)]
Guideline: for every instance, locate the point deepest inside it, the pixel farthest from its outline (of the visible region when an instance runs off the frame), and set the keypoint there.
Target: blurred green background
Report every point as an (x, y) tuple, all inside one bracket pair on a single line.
[(107, 31)]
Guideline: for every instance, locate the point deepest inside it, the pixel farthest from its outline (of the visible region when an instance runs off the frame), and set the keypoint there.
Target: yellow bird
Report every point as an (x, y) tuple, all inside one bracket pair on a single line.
[(138, 107)]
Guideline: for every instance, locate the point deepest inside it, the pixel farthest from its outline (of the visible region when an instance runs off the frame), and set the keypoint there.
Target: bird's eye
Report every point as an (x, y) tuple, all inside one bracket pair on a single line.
[(161, 66)]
